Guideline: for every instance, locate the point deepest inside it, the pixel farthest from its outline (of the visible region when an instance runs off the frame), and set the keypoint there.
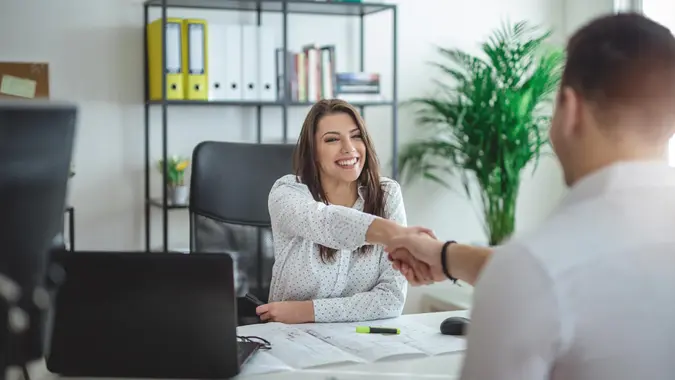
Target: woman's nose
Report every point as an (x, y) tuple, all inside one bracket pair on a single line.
[(348, 147)]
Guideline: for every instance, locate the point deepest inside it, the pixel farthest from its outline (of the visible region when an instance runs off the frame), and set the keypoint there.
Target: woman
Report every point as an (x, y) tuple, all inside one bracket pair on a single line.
[(329, 223)]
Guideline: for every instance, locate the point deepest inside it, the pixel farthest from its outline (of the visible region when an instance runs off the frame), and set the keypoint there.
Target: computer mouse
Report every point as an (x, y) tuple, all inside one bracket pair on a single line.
[(454, 326)]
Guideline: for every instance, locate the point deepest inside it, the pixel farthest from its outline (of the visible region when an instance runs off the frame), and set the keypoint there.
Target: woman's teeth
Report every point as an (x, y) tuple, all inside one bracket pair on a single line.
[(350, 162)]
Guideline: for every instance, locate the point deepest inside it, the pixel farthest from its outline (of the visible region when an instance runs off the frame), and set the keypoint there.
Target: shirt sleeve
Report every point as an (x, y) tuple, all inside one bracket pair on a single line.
[(387, 298), (514, 330), (294, 211)]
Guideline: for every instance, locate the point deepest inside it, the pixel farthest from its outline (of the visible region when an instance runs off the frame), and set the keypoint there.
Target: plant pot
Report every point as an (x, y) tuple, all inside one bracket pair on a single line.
[(178, 195)]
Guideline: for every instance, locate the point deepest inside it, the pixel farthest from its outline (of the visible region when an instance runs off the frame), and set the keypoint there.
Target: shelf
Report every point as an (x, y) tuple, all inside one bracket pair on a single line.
[(158, 203), (293, 6), (242, 103), (282, 8)]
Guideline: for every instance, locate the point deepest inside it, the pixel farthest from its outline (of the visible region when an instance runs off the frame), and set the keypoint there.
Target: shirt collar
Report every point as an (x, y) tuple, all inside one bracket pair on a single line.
[(361, 189), (360, 201), (622, 176)]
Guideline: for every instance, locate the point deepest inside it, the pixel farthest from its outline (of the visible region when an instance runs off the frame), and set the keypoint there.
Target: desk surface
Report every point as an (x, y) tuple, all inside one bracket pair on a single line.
[(435, 367)]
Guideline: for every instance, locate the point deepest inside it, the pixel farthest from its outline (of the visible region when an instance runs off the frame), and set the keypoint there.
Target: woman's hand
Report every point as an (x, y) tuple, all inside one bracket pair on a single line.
[(289, 312)]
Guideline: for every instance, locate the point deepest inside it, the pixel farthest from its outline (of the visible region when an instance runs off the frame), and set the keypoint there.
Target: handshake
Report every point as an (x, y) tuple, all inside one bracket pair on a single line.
[(423, 259), (416, 253)]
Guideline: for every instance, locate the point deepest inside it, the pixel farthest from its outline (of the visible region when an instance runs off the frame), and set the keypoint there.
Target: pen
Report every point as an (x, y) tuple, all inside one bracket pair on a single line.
[(377, 330)]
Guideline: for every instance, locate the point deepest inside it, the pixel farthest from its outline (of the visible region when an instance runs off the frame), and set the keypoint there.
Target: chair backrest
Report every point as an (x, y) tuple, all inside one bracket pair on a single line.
[(229, 188)]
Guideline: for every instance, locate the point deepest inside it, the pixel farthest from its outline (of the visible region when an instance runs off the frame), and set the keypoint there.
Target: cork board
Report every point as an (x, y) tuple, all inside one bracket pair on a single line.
[(26, 80)]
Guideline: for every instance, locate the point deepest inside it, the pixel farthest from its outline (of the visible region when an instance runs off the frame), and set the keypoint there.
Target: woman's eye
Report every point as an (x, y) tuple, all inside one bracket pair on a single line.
[(331, 140), (356, 136)]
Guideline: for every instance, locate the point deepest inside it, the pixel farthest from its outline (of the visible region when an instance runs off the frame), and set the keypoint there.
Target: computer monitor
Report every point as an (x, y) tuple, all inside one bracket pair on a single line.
[(36, 144)]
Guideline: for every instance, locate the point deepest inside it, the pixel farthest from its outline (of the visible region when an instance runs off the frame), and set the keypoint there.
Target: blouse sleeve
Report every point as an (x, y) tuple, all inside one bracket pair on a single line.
[(294, 211), (387, 298)]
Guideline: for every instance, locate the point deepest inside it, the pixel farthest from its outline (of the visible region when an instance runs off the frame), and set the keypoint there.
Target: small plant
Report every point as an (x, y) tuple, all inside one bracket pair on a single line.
[(175, 168)]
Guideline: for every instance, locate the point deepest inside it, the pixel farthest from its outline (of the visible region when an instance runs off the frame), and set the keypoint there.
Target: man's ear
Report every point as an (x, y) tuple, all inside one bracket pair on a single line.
[(570, 108)]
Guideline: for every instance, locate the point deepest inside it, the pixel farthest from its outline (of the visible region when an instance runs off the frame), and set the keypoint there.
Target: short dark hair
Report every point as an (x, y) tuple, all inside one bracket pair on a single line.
[(623, 61)]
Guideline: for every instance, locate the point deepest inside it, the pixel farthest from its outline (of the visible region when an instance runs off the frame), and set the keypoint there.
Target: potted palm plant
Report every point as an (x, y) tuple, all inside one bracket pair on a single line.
[(488, 121), (175, 179)]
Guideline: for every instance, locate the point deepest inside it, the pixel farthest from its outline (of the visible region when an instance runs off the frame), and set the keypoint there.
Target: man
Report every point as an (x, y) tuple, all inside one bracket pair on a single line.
[(590, 295)]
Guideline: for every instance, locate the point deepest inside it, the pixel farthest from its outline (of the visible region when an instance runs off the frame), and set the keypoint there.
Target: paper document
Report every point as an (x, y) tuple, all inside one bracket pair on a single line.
[(16, 86), (415, 340), (298, 349), (322, 344)]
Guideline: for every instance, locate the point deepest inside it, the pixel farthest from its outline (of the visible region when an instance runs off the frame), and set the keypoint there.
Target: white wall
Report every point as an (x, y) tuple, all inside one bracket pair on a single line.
[(95, 49), (579, 12), (662, 11)]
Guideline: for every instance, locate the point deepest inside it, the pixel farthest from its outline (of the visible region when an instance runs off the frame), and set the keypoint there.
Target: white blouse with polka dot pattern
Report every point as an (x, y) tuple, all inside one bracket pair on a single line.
[(354, 286)]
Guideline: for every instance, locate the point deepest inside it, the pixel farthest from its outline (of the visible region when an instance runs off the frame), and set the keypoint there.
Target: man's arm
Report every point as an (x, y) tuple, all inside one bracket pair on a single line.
[(515, 323), (465, 262)]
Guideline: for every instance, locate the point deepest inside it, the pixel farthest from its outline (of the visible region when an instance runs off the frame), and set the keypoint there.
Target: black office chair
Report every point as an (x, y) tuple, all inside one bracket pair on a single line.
[(229, 187)]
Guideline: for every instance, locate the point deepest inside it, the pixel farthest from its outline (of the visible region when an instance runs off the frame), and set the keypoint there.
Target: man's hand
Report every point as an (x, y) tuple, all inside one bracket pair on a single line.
[(417, 257), (289, 312)]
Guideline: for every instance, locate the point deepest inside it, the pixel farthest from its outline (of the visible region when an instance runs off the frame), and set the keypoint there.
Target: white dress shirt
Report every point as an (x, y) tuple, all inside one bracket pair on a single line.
[(354, 286), (590, 295)]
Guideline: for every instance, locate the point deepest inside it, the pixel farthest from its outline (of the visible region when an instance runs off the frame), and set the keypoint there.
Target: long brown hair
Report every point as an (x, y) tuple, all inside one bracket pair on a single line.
[(306, 165)]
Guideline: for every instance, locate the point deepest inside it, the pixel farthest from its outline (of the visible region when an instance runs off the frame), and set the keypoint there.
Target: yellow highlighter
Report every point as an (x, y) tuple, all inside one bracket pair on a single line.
[(377, 330)]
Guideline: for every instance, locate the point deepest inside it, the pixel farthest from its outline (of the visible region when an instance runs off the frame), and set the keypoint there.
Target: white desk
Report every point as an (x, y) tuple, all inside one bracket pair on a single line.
[(445, 367)]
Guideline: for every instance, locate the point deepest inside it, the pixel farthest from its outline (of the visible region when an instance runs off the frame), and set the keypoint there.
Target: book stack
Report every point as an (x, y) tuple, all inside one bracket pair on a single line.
[(312, 76)]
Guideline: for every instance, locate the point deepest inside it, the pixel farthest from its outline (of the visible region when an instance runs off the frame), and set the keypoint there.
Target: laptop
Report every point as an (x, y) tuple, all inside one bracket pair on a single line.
[(146, 315)]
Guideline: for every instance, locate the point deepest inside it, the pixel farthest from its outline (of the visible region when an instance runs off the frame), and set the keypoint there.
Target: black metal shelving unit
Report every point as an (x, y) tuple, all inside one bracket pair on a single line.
[(285, 8)]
